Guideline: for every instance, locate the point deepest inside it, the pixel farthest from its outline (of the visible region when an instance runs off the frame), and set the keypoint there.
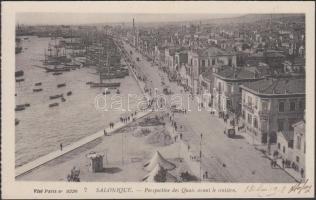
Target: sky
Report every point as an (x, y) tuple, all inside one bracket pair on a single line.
[(86, 18)]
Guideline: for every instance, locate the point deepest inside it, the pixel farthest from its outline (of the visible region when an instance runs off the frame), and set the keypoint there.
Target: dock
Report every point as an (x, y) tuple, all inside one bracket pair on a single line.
[(53, 155)]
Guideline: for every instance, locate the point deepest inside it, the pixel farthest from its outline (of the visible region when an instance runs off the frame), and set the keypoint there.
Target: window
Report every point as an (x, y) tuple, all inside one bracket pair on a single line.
[(249, 101), (195, 62), (298, 142), (249, 119), (256, 104), (243, 97), (292, 105), (243, 114), (230, 61), (213, 61), (281, 106), (203, 63), (291, 122), (229, 88), (255, 122), (280, 124), (264, 106), (297, 159), (302, 104), (283, 149), (279, 146)]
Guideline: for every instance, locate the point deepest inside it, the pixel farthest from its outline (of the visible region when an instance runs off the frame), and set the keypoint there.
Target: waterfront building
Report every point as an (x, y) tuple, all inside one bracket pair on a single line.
[(227, 91), (272, 105), (201, 59)]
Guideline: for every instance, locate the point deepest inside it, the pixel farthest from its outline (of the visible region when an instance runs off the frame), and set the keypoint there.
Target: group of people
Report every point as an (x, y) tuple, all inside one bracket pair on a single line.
[(274, 163), (111, 124)]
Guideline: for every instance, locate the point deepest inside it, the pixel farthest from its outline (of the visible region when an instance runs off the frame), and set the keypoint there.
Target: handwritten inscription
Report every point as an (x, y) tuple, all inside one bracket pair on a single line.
[(265, 190), (301, 187)]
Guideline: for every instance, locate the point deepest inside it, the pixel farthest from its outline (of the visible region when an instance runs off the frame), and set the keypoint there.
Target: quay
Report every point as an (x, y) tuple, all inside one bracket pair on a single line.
[(53, 155)]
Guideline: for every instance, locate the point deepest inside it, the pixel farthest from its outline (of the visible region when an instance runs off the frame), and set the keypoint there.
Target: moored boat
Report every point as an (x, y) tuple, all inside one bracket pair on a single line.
[(61, 85), (53, 104), (38, 84), (19, 73), (69, 93), (19, 108), (37, 90), (56, 96), (108, 85), (19, 80)]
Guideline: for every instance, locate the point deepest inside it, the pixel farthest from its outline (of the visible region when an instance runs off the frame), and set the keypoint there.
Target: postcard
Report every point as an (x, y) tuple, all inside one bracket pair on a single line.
[(167, 99)]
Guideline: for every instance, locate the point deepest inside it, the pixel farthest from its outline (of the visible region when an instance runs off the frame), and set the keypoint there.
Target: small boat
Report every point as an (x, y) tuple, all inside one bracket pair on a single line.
[(69, 93), (53, 104), (56, 96), (37, 90), (19, 108), (19, 80), (19, 73), (63, 99), (57, 73), (17, 122), (61, 85), (117, 91), (27, 105), (107, 92), (38, 84), (108, 85)]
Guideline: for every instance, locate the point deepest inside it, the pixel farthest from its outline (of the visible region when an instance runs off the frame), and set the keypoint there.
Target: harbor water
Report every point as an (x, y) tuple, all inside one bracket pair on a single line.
[(42, 129)]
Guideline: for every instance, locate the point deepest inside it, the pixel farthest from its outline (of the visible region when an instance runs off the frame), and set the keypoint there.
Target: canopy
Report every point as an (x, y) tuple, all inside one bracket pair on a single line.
[(150, 177), (158, 159)]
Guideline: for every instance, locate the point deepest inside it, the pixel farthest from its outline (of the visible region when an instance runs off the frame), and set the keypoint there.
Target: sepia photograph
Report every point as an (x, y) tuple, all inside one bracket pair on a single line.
[(146, 97)]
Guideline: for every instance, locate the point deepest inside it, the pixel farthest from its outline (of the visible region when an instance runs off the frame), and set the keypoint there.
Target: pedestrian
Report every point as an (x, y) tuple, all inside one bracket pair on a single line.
[(61, 146), (188, 147), (302, 173), (283, 163), (206, 175), (105, 133), (274, 163)]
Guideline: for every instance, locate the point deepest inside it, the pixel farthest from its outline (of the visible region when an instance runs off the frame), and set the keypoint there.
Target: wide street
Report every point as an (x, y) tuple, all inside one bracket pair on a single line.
[(225, 159)]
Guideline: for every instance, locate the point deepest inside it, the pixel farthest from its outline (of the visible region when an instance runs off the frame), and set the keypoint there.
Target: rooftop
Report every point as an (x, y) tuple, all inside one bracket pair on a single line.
[(288, 135), (284, 86), (212, 51), (236, 74)]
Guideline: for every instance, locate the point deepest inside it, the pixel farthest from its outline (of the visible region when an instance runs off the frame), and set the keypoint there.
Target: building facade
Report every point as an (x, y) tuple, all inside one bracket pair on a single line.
[(272, 105)]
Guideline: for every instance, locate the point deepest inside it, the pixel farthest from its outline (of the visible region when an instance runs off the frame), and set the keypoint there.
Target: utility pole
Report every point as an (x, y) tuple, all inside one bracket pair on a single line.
[(201, 157), (122, 150)]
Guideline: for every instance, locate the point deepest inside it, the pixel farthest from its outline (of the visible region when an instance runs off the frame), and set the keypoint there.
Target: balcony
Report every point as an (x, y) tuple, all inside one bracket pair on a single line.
[(248, 107), (227, 93), (263, 114)]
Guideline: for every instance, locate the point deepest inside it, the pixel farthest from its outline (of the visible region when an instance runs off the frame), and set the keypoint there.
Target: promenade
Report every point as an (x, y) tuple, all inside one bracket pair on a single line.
[(53, 155)]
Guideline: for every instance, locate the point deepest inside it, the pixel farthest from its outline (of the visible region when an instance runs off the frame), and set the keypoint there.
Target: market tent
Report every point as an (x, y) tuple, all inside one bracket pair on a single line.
[(150, 177), (158, 159)]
